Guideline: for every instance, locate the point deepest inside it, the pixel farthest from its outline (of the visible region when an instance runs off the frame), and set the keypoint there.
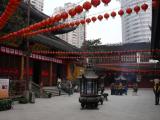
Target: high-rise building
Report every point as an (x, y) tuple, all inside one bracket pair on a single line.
[(136, 27), (77, 36), (38, 4)]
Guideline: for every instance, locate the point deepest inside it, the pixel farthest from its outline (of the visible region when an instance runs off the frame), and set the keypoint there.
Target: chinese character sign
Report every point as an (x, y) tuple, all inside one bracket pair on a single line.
[(4, 88)]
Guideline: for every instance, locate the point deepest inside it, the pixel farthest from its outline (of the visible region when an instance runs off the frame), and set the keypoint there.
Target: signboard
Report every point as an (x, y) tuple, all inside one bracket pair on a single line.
[(4, 88)]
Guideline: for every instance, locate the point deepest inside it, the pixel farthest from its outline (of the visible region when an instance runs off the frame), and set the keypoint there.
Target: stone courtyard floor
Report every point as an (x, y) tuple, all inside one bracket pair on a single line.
[(140, 107)]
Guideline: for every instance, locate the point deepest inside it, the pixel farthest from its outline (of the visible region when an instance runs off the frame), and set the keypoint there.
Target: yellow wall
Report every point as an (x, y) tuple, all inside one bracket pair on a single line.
[(77, 71)]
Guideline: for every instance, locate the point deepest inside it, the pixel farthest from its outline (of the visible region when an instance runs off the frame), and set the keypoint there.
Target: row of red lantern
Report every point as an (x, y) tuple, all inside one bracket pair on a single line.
[(76, 23), (91, 53), (26, 31), (105, 57), (49, 21), (9, 11)]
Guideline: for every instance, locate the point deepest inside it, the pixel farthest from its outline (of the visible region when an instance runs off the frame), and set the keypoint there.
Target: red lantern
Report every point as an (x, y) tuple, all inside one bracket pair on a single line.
[(144, 7), (100, 17), (72, 12), (72, 24), (95, 3), (121, 12), (52, 19), (87, 5), (77, 23), (94, 19), (58, 17), (106, 2), (64, 15), (66, 25), (82, 22), (113, 14), (106, 15), (79, 9), (88, 20), (129, 11), (137, 9)]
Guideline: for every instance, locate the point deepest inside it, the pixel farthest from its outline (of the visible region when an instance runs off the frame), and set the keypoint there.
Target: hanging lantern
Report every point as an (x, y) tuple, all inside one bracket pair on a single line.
[(79, 9), (121, 12), (64, 15), (72, 12), (100, 17), (94, 19), (106, 15), (87, 5), (113, 14), (77, 23), (88, 20), (137, 9), (66, 25), (52, 19), (82, 22), (106, 2), (95, 3), (129, 11), (72, 24), (144, 7), (58, 17)]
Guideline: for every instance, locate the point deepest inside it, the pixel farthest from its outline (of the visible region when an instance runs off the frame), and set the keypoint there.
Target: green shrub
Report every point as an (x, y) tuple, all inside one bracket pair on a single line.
[(5, 104)]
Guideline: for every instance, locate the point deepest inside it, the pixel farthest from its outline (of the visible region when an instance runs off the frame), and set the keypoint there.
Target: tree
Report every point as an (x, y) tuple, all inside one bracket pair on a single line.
[(89, 43)]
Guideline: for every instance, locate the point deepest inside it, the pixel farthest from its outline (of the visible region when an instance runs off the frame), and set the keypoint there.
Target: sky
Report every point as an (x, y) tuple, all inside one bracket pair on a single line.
[(109, 31)]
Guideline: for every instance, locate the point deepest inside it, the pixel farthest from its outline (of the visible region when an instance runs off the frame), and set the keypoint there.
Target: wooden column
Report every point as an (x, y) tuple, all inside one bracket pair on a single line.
[(50, 73), (22, 68)]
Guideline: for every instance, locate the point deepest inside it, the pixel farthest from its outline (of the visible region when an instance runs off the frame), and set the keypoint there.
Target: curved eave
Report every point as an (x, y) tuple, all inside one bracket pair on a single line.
[(53, 43)]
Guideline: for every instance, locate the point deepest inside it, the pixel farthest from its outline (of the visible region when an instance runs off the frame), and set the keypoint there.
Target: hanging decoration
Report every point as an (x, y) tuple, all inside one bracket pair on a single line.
[(95, 3), (77, 23), (106, 16), (102, 53), (87, 5), (49, 21), (98, 57), (144, 6), (57, 19), (79, 9), (9, 11), (64, 15), (121, 12), (100, 17), (128, 11), (82, 22), (94, 19), (113, 14), (72, 24), (72, 12), (137, 9), (106, 2), (88, 20)]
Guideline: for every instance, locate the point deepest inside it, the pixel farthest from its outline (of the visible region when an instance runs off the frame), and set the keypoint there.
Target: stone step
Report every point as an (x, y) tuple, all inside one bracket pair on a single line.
[(54, 91)]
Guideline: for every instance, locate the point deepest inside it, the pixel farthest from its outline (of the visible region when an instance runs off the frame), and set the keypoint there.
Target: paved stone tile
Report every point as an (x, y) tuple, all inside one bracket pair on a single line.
[(140, 107)]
